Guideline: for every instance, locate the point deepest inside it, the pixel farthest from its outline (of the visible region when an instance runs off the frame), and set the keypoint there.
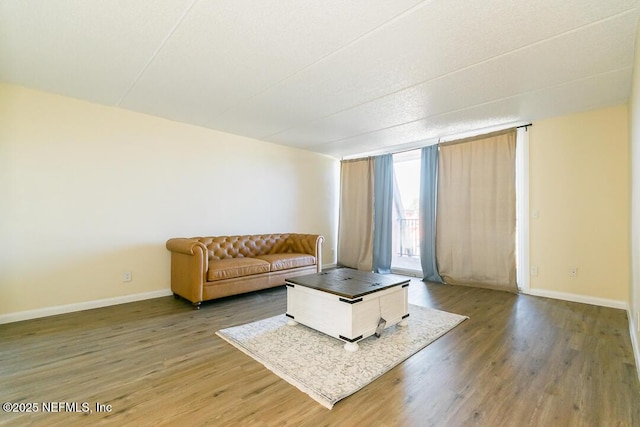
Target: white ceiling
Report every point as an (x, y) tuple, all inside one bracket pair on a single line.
[(333, 76)]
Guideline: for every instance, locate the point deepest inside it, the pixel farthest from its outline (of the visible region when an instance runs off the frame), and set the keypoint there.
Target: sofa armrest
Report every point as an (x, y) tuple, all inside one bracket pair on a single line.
[(308, 244), (189, 264), (185, 246), (319, 242)]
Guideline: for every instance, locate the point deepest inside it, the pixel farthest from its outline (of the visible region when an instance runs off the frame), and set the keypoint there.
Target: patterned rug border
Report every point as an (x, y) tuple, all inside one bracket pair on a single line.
[(259, 340)]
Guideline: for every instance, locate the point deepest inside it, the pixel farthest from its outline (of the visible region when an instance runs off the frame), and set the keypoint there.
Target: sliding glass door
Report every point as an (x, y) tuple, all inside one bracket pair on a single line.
[(406, 223)]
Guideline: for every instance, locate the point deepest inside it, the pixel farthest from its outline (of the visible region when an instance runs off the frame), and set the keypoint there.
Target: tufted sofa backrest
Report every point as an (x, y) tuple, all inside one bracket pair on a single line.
[(251, 245)]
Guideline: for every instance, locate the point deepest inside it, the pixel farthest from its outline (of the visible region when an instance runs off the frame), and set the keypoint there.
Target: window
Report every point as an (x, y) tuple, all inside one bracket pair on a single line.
[(406, 225)]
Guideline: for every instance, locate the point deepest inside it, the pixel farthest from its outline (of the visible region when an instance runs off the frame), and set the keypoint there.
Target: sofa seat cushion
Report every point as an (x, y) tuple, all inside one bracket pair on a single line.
[(229, 268), (286, 261)]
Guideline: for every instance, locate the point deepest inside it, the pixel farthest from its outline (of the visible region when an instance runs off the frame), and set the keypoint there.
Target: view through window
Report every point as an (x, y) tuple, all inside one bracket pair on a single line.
[(406, 214)]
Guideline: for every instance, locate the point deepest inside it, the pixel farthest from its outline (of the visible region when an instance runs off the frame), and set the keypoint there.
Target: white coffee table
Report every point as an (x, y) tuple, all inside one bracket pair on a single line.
[(347, 304)]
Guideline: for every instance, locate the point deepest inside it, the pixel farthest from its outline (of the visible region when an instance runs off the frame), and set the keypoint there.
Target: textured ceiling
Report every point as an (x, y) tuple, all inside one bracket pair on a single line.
[(335, 77)]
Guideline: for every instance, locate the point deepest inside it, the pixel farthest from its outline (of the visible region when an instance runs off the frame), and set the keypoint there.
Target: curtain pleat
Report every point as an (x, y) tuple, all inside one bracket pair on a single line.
[(476, 211), (428, 194), (355, 226), (382, 213)]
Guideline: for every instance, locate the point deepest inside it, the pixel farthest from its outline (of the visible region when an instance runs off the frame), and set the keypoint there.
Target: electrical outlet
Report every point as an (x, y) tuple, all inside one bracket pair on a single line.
[(534, 271), (573, 272), (126, 276)]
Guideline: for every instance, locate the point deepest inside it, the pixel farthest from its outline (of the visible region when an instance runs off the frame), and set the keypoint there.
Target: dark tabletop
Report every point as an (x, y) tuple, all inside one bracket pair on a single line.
[(349, 283)]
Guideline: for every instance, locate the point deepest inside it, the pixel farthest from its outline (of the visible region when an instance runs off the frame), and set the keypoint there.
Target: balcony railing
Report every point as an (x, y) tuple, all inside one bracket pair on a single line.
[(409, 242)]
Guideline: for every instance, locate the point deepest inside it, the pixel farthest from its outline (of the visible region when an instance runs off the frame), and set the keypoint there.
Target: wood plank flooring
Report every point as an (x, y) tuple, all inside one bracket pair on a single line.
[(518, 361)]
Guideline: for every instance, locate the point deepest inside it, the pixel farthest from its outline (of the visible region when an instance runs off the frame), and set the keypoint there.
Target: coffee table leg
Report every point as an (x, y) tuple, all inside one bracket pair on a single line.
[(351, 346), (291, 322)]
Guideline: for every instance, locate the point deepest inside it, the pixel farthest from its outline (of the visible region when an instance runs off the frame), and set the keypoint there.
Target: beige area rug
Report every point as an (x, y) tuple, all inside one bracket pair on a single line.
[(318, 365)]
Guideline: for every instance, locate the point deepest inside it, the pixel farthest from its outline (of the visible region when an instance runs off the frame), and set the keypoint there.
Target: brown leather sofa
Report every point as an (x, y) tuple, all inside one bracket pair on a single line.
[(204, 268)]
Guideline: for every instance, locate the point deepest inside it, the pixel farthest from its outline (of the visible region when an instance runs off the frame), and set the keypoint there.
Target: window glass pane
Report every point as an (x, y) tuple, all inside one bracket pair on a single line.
[(406, 237)]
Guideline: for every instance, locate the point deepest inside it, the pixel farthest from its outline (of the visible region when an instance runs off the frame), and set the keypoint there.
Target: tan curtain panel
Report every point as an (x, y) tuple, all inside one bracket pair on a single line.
[(476, 212), (355, 227)]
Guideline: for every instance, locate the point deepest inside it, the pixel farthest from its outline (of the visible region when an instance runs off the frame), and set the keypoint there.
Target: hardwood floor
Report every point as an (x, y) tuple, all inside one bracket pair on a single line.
[(518, 361)]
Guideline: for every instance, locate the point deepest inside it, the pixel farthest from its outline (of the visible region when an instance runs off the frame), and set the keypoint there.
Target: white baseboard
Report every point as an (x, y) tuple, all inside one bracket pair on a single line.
[(70, 308), (604, 302), (634, 342)]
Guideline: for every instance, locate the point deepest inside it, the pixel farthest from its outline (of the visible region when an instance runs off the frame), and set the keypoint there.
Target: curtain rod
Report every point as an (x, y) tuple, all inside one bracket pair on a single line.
[(437, 142), (480, 136)]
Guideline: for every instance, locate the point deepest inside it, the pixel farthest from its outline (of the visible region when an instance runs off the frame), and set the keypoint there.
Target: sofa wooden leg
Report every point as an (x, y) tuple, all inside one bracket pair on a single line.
[(176, 296), (196, 305)]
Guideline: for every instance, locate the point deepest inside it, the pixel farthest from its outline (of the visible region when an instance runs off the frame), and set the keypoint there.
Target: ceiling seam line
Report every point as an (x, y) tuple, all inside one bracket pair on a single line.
[(322, 58), (155, 53), (465, 68), (467, 108)]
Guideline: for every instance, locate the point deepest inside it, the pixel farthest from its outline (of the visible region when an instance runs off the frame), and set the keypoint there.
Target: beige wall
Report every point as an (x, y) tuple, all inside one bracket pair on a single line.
[(579, 185), (88, 192)]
